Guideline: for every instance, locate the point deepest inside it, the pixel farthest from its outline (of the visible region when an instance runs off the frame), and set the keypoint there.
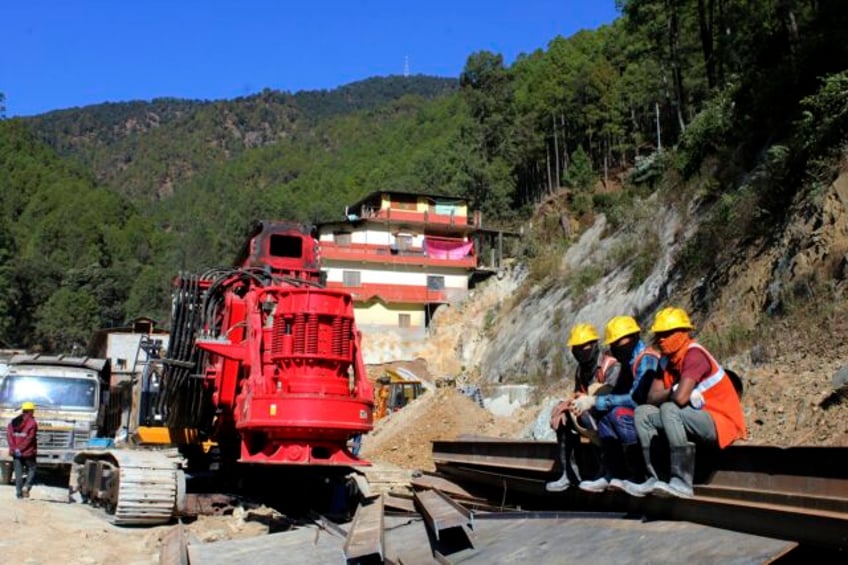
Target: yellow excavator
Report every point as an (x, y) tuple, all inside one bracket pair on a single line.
[(396, 388)]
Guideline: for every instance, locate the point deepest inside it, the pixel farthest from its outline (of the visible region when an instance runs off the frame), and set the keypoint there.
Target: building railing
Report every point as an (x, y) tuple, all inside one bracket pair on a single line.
[(397, 293), (427, 216), (391, 254)]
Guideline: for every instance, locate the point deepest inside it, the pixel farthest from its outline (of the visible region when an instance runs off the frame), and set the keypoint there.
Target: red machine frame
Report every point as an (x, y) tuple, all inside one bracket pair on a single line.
[(284, 368)]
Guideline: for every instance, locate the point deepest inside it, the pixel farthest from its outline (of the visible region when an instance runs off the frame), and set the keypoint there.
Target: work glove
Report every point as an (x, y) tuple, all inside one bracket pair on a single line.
[(696, 399), (582, 403), (18, 453)]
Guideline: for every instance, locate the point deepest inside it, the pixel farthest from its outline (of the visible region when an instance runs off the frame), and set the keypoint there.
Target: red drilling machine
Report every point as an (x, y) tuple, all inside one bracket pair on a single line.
[(263, 366)]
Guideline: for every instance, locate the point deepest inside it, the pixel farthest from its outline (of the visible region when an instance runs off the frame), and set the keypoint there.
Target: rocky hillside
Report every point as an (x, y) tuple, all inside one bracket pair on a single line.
[(775, 311)]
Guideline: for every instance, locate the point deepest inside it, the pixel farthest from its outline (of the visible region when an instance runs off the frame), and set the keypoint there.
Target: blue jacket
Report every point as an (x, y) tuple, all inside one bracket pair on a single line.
[(643, 376)]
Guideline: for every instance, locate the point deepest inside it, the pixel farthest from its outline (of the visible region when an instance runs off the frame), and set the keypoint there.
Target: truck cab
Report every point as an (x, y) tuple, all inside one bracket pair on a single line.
[(68, 393)]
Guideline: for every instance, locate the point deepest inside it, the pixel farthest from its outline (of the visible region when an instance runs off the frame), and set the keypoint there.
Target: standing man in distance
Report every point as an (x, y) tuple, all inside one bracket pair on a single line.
[(592, 367), (22, 437)]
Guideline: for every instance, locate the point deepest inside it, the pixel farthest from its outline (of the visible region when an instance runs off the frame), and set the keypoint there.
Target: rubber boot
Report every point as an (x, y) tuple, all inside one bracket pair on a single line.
[(610, 455), (570, 470), (647, 486), (682, 471), (634, 467)]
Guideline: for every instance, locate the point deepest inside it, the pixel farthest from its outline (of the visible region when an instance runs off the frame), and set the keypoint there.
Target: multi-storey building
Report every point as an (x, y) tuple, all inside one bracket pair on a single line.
[(400, 255)]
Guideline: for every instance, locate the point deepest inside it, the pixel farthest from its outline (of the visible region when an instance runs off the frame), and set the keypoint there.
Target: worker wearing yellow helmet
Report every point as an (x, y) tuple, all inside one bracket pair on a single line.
[(22, 437), (620, 450), (695, 401), (593, 368)]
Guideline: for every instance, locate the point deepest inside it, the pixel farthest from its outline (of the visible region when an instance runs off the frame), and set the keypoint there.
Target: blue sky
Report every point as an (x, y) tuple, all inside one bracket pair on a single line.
[(59, 54)]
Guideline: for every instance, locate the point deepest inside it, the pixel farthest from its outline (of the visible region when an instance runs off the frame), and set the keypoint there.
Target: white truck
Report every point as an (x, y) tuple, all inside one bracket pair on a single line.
[(70, 396)]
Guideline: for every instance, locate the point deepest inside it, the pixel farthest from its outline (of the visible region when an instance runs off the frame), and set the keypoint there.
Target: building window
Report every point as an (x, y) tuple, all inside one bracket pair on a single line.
[(403, 241), (341, 238), (404, 320), (435, 282), (405, 204), (351, 278)]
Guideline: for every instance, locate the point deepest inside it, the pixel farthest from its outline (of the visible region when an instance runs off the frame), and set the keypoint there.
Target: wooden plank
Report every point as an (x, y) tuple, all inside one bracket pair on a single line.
[(366, 533)]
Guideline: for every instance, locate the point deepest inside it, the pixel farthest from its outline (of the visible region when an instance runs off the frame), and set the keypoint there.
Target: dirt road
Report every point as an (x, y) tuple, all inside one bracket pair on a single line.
[(46, 529)]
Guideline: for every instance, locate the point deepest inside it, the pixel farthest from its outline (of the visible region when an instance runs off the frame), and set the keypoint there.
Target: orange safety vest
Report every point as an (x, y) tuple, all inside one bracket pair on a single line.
[(721, 402), (647, 351), (606, 363)]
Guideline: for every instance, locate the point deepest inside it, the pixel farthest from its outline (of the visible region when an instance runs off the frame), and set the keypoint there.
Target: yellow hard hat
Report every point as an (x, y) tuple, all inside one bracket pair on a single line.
[(671, 318), (581, 334), (619, 327), (27, 406)]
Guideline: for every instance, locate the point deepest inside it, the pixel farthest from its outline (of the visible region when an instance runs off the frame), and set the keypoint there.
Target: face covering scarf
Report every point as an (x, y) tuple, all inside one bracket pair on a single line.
[(586, 355), (623, 353), (674, 346)]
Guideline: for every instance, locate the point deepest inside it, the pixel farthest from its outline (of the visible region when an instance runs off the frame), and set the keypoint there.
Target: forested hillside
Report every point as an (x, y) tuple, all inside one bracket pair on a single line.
[(143, 149), (739, 105)]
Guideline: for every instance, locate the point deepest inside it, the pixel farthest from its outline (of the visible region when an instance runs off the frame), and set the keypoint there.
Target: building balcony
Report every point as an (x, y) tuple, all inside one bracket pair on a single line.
[(399, 294), (414, 216), (389, 255)]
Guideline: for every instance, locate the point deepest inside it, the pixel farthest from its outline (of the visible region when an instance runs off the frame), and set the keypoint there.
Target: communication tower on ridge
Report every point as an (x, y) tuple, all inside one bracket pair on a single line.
[(406, 66)]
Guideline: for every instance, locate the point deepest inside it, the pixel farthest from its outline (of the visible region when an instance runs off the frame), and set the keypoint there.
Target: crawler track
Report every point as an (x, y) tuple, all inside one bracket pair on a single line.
[(134, 487)]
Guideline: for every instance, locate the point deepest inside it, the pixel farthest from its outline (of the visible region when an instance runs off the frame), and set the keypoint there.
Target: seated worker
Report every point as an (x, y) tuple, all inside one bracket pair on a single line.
[(592, 367), (697, 401), (614, 411)]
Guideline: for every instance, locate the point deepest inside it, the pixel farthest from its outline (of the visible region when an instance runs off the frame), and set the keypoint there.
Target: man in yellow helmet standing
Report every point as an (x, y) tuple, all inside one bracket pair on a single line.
[(621, 453), (22, 436), (697, 401), (592, 367)]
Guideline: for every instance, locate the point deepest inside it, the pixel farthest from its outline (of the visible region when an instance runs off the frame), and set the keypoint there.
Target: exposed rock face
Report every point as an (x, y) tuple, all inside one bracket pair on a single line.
[(765, 279), (788, 371), (529, 336)]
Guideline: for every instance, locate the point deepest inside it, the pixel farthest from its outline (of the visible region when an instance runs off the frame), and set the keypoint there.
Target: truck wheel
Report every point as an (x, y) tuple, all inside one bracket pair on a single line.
[(5, 473)]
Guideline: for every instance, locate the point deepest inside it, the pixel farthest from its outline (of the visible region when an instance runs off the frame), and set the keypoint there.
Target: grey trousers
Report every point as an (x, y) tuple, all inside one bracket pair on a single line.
[(678, 424), (19, 473)]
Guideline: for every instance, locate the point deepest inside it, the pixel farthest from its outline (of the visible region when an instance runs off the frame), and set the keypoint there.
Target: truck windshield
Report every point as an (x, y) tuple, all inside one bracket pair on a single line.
[(48, 392)]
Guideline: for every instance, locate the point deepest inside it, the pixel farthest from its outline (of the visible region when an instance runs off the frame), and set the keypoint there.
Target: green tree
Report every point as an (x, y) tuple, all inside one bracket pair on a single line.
[(67, 320), (580, 175)]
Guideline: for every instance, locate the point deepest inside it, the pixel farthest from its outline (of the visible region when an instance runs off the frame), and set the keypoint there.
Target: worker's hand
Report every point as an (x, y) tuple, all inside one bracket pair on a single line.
[(558, 413), (696, 399), (18, 453), (582, 404)]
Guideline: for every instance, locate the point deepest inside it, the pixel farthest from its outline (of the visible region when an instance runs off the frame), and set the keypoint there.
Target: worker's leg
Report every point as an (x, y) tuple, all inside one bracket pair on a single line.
[(567, 441), (647, 422), (624, 425), (31, 469), (19, 477), (614, 428), (680, 424)]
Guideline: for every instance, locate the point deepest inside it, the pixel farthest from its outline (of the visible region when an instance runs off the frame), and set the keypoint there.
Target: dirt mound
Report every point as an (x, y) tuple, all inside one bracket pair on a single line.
[(404, 438)]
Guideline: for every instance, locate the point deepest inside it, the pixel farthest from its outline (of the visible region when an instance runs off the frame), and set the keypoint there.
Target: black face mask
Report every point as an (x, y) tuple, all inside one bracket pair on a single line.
[(586, 356), (623, 353)]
